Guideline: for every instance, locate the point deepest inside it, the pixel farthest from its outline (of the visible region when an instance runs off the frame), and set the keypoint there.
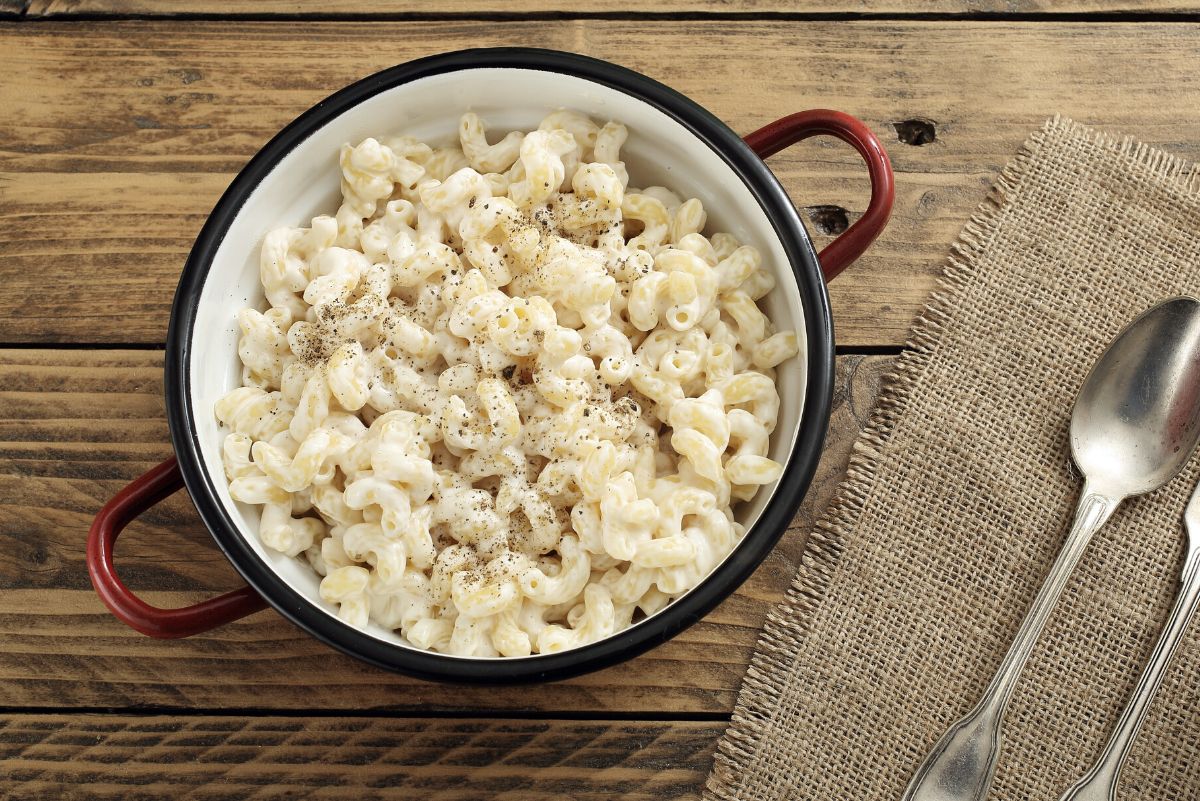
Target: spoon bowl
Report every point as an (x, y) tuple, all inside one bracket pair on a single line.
[(1137, 416)]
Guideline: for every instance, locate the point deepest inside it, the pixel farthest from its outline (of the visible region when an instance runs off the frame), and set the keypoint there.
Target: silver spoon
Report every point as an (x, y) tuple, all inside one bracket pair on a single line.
[(1100, 783), (1134, 425)]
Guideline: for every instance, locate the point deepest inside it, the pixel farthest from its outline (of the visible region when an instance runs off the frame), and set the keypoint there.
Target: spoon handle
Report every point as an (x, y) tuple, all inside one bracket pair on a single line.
[(1100, 783), (961, 764)]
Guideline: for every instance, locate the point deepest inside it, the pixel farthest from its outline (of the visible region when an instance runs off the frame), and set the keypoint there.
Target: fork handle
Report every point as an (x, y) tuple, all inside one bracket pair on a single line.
[(961, 764), (1100, 783)]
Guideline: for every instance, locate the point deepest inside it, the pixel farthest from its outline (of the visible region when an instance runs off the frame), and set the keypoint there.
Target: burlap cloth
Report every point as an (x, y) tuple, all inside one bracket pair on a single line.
[(958, 498)]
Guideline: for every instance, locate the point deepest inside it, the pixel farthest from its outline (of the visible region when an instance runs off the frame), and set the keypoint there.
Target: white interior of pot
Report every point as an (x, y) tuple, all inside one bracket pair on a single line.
[(305, 182)]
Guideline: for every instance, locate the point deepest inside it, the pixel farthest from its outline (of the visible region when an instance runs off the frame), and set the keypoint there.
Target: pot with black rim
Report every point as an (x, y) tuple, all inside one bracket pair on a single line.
[(673, 142)]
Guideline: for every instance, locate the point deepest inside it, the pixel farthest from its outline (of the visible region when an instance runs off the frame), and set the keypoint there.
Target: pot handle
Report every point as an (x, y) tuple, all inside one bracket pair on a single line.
[(772, 138), (156, 485)]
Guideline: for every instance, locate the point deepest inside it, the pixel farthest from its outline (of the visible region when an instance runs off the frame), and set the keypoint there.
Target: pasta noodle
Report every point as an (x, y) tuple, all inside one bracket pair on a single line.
[(501, 401)]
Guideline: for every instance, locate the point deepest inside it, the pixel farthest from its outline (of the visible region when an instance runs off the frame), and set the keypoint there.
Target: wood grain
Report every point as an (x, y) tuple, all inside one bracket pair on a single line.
[(75, 426), (117, 138), (236, 758), (467, 7)]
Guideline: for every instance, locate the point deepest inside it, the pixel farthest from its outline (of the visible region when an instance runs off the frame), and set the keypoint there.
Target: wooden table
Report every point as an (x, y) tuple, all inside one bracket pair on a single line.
[(121, 121)]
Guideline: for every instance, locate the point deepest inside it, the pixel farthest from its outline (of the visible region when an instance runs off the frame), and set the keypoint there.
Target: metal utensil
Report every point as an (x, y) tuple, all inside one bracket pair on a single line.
[(1134, 424), (1100, 783)]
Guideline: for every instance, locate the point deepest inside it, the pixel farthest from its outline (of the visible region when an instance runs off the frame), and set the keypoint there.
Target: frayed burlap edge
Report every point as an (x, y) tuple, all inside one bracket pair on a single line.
[(792, 619)]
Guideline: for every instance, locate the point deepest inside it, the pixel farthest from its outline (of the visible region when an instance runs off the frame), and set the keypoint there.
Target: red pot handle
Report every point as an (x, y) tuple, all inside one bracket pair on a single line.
[(144, 492), (772, 138)]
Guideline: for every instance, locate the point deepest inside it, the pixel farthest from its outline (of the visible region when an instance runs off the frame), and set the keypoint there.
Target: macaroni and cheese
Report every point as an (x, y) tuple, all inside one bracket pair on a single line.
[(502, 402)]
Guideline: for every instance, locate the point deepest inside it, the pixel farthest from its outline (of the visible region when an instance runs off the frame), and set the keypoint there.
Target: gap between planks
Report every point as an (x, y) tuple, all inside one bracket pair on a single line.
[(572, 716), (534, 10)]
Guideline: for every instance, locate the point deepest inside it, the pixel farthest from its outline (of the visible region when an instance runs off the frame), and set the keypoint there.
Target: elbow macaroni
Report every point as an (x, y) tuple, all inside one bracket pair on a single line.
[(502, 401)]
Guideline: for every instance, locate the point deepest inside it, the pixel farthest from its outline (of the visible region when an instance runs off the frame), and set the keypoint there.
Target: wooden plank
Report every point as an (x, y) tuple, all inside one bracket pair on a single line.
[(223, 758), (117, 138), (52, 8), (75, 426)]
